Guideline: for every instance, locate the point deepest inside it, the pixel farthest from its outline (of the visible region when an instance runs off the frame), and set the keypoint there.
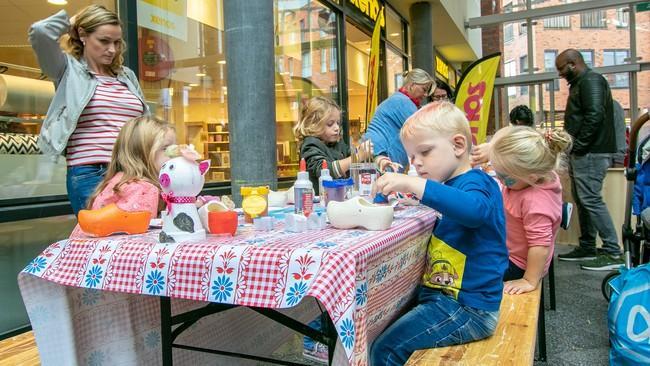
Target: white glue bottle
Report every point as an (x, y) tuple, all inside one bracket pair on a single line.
[(324, 175), (303, 192)]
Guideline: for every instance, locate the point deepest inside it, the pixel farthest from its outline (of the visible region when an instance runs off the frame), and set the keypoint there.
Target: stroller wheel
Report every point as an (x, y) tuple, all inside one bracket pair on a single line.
[(604, 286)]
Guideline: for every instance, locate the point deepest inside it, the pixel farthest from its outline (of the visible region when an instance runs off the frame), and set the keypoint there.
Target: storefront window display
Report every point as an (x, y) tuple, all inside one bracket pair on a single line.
[(25, 95), (358, 53), (305, 66), (395, 69), (183, 75)]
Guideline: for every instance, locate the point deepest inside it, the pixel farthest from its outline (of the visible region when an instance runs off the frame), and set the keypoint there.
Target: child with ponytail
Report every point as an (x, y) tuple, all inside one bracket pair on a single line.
[(525, 161)]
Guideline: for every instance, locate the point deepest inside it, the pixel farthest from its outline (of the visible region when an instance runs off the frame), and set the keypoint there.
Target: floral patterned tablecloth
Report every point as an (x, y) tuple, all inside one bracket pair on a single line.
[(88, 309)]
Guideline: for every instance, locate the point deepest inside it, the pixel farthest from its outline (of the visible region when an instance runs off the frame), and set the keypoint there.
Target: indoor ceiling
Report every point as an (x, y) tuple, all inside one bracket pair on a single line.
[(448, 39)]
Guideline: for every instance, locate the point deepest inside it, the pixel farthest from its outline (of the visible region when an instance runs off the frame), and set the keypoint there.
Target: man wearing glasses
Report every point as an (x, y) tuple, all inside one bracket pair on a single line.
[(589, 119)]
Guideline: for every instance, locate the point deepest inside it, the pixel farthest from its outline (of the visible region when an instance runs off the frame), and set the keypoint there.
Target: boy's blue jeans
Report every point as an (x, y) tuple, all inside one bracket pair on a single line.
[(437, 320), (81, 181)]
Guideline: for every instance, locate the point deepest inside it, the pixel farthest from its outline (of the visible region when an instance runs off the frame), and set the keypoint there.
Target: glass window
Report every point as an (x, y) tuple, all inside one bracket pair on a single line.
[(323, 60), (394, 29), (26, 173), (511, 70), (622, 18), (588, 56), (358, 54), (306, 64), (395, 69), (549, 65), (523, 63), (616, 57), (561, 22), (593, 19), (508, 33), (317, 25), (189, 89)]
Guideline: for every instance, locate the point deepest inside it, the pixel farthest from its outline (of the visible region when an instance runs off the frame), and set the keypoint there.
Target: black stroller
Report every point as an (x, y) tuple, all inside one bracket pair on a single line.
[(635, 242)]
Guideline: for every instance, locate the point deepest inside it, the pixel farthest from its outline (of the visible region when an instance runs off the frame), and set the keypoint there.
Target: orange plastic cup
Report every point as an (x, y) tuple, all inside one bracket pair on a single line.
[(222, 222)]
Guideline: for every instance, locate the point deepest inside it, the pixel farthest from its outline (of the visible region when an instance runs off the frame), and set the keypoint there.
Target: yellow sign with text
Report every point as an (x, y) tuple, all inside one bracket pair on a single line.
[(165, 16), (369, 7), (442, 68), (474, 94)]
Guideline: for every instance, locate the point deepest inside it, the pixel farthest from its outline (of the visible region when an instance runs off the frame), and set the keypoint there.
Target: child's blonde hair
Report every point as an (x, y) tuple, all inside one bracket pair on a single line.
[(521, 151), (439, 118), (134, 153), (314, 114)]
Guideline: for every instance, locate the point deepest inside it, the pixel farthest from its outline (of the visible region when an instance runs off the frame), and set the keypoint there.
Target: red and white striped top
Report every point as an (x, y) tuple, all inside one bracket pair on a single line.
[(109, 108)]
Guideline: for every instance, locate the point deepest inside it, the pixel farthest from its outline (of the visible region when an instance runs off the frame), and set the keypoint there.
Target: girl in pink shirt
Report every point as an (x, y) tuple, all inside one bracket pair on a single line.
[(525, 161), (131, 181)]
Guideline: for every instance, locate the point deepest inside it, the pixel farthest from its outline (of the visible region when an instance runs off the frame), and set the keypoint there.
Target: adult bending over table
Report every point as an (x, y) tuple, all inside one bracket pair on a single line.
[(95, 94), (391, 114)]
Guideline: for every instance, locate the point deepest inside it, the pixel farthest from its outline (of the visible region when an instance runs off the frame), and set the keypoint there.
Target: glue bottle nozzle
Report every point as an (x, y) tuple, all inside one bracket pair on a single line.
[(303, 165)]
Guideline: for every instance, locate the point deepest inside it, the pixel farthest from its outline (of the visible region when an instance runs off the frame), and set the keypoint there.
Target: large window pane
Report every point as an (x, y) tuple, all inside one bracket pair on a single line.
[(26, 172), (306, 66), (394, 29), (395, 69), (616, 57), (358, 51), (183, 76)]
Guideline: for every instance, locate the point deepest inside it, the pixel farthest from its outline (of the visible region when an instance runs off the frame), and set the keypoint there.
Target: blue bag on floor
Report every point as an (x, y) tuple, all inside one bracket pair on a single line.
[(629, 317)]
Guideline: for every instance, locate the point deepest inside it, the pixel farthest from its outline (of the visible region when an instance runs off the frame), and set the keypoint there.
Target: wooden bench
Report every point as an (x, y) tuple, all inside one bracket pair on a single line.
[(513, 342)]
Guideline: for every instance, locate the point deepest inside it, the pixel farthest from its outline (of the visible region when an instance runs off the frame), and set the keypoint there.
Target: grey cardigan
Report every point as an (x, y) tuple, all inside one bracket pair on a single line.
[(73, 82)]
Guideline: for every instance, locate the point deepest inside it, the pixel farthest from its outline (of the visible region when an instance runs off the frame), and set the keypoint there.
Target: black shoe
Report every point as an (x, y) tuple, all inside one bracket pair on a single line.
[(578, 254)]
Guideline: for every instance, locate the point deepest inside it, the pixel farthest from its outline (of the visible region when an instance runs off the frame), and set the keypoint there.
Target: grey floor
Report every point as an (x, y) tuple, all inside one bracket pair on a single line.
[(576, 333)]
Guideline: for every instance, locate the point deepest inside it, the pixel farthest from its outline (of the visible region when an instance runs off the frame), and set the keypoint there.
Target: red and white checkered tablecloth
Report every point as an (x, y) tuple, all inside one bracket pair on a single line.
[(362, 278)]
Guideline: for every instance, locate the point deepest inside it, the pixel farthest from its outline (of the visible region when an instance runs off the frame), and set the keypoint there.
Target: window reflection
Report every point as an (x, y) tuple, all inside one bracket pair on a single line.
[(305, 66)]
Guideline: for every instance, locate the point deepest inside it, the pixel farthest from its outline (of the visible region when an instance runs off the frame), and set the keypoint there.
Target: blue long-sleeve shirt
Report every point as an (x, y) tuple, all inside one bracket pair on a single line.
[(385, 125), (467, 255)]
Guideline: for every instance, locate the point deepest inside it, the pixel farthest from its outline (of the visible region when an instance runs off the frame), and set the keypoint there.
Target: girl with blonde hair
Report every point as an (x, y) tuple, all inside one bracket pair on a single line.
[(131, 181), (525, 161), (95, 93), (319, 136)]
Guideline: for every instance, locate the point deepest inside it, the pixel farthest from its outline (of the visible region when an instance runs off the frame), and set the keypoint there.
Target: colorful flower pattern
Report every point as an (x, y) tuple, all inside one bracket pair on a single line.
[(222, 288), (94, 276), (155, 282)]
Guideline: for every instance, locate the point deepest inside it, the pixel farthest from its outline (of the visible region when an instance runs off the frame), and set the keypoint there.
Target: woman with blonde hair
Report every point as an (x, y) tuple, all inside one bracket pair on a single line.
[(525, 161), (95, 93), (391, 114)]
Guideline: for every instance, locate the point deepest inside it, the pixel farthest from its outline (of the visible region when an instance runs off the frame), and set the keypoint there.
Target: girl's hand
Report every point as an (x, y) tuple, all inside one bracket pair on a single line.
[(480, 154), (516, 287)]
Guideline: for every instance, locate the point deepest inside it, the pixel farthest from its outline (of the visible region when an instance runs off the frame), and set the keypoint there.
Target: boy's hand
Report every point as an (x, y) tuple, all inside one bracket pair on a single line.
[(480, 154), (394, 182), (383, 162), (516, 287)]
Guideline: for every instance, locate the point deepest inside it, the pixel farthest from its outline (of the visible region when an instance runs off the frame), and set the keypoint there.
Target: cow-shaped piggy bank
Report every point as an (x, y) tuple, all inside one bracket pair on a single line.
[(181, 180)]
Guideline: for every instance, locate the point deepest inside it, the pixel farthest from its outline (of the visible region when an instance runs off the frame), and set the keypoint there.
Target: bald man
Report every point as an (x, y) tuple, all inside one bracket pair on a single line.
[(589, 119)]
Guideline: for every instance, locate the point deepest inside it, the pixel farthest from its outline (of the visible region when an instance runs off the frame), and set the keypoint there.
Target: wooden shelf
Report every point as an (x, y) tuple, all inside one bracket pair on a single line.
[(220, 167), (217, 142), (218, 133)]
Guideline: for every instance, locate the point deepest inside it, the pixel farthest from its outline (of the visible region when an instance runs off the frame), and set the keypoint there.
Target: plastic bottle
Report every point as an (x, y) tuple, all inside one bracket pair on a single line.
[(303, 192), (324, 175)]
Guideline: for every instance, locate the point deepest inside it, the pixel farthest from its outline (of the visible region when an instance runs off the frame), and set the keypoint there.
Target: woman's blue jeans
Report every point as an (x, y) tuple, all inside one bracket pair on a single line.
[(437, 320), (81, 181)]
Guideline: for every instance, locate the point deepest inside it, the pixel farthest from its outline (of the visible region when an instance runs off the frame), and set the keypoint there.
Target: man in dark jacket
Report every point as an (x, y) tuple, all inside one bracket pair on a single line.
[(589, 119)]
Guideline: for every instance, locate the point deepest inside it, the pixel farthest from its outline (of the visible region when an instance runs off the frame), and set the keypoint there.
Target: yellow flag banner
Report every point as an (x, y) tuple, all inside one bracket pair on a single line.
[(373, 68), (474, 94)]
